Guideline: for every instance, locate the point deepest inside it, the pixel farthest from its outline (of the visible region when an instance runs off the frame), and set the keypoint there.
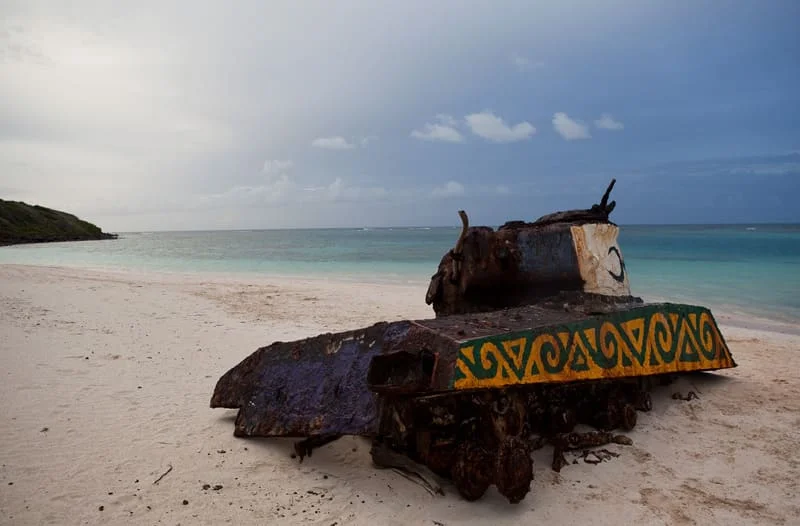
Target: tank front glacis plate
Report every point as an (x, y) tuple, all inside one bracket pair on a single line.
[(654, 339)]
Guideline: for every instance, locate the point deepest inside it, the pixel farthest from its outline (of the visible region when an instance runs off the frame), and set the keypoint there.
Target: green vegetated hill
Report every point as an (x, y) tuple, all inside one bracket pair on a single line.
[(24, 223)]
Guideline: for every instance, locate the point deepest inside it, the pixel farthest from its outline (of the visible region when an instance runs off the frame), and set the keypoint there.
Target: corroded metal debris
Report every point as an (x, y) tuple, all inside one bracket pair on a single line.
[(535, 331), (574, 441), (691, 395)]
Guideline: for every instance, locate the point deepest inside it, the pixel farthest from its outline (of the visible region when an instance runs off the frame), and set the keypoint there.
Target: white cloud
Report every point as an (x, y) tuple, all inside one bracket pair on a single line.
[(525, 64), (502, 189), (443, 130), (570, 129), (607, 122), (450, 189), (332, 143), (491, 127), (276, 167)]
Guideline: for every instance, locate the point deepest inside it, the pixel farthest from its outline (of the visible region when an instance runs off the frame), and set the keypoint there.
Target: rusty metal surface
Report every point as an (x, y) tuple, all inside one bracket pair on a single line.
[(598, 213), (527, 265), (504, 268), (559, 309), (315, 386), (521, 263), (329, 384)]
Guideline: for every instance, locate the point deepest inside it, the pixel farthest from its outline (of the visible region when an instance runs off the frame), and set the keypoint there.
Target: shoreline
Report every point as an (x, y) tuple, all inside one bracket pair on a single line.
[(103, 237), (725, 317)]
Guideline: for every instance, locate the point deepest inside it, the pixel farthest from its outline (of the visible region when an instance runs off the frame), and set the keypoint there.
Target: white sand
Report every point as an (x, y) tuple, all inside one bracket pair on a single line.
[(106, 381)]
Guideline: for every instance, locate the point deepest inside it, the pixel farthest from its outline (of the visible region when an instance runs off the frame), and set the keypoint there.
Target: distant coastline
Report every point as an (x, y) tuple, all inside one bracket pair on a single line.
[(21, 223)]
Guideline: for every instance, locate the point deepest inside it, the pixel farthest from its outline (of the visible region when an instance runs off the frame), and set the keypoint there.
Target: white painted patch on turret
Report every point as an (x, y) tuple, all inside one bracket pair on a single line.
[(600, 260)]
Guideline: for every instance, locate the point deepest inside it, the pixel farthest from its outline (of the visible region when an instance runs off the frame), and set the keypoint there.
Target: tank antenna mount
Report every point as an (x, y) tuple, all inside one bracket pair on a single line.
[(457, 251)]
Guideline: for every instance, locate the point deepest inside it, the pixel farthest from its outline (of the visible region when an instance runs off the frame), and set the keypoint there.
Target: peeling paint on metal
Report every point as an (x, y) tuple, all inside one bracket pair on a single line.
[(600, 260)]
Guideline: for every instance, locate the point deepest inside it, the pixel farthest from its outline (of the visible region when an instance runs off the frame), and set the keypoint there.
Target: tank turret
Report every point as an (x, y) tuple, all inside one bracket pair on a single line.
[(565, 253)]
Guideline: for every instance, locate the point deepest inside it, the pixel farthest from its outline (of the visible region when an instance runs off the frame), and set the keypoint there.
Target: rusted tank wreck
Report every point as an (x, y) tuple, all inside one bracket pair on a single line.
[(535, 330)]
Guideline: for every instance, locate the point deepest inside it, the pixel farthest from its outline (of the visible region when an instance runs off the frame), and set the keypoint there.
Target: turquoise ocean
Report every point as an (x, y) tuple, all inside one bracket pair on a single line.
[(746, 269)]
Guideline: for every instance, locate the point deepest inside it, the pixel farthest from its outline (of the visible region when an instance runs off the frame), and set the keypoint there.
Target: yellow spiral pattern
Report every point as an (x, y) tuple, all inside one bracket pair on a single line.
[(665, 338)]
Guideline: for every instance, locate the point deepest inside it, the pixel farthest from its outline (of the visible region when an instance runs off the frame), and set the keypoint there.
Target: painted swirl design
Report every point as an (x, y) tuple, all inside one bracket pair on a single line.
[(610, 340), (648, 340), (663, 337), (708, 336), (552, 354)]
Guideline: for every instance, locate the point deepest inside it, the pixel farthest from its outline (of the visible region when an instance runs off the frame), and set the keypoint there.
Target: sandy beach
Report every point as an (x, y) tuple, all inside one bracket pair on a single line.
[(107, 377)]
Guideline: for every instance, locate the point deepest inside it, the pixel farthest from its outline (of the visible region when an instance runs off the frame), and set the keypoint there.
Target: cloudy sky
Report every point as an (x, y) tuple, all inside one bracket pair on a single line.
[(190, 114)]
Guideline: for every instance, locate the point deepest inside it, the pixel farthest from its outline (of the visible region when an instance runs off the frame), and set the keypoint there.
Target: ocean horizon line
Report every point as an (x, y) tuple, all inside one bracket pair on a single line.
[(453, 226)]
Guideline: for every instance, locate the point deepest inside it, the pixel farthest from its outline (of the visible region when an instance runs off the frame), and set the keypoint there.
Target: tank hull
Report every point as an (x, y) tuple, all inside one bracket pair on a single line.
[(430, 389), (329, 384)]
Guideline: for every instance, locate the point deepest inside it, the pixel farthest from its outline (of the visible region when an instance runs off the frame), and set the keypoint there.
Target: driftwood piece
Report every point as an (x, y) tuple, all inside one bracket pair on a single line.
[(163, 475)]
